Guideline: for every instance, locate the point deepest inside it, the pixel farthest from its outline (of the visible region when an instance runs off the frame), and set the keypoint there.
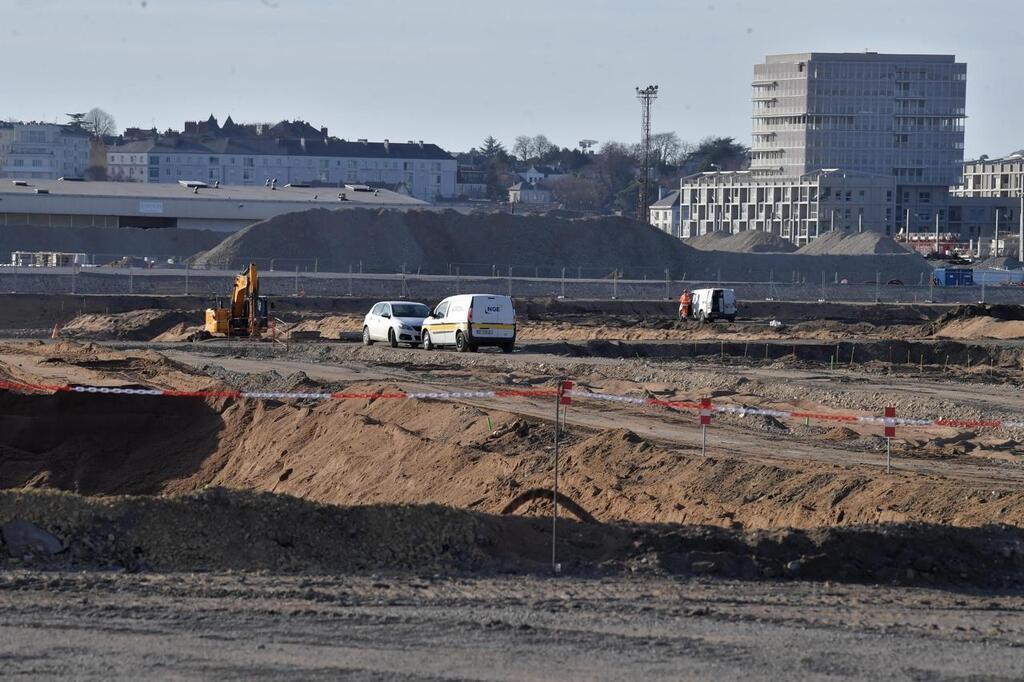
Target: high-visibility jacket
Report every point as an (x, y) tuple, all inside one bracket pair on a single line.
[(684, 302)]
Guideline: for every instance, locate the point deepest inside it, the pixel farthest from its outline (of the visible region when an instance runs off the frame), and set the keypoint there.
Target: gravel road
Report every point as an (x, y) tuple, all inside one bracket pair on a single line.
[(249, 626)]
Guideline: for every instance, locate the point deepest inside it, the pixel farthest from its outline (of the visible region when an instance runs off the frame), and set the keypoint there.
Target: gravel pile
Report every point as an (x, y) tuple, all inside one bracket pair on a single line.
[(854, 244), (748, 241), (431, 241)]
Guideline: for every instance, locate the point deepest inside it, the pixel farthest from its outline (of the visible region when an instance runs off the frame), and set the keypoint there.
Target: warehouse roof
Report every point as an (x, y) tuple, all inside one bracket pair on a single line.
[(271, 146), (326, 196)]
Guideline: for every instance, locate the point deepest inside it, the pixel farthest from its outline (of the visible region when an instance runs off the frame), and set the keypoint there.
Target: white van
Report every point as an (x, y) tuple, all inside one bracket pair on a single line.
[(468, 321), (713, 304)]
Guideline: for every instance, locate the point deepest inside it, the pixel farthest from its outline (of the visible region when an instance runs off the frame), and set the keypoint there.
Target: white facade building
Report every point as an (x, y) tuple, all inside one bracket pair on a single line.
[(424, 171), (664, 213), (43, 151), (797, 209)]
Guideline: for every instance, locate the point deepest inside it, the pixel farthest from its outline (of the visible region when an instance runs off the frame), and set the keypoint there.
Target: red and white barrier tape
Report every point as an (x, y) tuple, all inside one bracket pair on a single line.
[(566, 394)]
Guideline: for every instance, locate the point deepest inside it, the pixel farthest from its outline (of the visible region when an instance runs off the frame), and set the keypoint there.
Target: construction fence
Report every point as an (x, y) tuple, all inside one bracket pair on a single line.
[(298, 282)]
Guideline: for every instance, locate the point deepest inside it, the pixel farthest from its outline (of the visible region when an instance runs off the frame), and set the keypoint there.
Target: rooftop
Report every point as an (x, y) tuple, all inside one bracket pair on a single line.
[(271, 146), (667, 201), (865, 56), (316, 196)]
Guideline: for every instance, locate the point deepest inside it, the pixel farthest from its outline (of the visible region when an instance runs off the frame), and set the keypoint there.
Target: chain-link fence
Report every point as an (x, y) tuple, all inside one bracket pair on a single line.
[(172, 281)]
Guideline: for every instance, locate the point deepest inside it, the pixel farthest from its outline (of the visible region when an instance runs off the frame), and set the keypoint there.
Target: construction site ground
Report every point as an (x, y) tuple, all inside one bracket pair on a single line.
[(343, 527)]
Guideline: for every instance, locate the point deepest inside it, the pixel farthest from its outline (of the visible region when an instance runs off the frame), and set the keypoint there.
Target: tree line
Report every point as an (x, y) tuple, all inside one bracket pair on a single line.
[(604, 179)]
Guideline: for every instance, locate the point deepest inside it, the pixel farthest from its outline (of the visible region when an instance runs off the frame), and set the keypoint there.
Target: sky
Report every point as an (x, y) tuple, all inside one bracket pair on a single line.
[(453, 72)]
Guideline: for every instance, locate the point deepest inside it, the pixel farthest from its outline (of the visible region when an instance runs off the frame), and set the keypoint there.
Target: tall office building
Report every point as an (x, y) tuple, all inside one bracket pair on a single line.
[(894, 121), (898, 115)]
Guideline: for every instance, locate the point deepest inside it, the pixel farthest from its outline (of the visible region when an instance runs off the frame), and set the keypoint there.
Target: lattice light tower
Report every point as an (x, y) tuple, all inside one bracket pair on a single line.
[(646, 96)]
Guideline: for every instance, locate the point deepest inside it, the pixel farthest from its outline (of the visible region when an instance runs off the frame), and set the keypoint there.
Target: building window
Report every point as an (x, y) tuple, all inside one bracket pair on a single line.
[(214, 161)]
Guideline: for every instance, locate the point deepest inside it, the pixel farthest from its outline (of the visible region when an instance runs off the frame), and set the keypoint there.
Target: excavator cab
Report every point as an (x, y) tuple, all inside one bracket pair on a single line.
[(247, 314)]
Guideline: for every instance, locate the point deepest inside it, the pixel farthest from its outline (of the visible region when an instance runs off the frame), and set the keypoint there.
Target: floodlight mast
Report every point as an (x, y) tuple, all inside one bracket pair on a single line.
[(646, 96)]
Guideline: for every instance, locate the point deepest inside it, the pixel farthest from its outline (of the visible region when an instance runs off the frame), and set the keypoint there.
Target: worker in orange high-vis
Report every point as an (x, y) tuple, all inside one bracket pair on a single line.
[(684, 305)]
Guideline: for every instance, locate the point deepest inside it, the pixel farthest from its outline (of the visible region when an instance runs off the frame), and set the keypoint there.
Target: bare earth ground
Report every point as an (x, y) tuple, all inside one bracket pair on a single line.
[(624, 464), (244, 626)]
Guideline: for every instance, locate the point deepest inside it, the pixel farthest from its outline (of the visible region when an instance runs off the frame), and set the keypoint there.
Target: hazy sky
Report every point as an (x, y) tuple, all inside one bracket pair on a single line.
[(453, 72)]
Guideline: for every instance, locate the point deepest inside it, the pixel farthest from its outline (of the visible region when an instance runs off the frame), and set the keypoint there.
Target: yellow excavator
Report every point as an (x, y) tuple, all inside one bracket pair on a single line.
[(248, 313)]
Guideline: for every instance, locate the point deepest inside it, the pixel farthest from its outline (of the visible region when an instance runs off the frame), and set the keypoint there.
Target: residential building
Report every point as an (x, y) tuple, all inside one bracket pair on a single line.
[(285, 153), (986, 177), (526, 193), (798, 209), (471, 182), (890, 127), (538, 174), (43, 151), (665, 212)]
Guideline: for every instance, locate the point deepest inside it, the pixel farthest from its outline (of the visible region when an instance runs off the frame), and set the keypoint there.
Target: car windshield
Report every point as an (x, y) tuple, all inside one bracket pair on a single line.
[(409, 310)]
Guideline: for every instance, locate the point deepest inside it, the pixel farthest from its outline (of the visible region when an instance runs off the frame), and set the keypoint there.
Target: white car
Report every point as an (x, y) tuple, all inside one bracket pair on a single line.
[(394, 322)]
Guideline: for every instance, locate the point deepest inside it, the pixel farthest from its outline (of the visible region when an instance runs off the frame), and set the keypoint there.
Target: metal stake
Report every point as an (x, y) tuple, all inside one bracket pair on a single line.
[(888, 455), (703, 440), (554, 490)]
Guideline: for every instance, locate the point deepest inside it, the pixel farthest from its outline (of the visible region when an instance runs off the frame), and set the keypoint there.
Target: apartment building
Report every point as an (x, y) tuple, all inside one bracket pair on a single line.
[(282, 154), (43, 151), (798, 209), (993, 177), (893, 125)]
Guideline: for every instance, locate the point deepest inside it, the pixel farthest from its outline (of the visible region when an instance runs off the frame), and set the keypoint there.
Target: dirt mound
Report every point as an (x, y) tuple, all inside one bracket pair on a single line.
[(982, 328), (178, 333), (979, 321), (429, 241), (330, 326), (432, 242), (137, 325), (854, 244), (107, 242), (411, 452), (1000, 263), (748, 241), (222, 530), (841, 433)]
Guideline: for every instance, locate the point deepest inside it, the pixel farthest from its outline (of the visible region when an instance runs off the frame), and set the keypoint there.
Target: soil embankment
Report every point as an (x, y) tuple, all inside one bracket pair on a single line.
[(222, 530), (433, 242)]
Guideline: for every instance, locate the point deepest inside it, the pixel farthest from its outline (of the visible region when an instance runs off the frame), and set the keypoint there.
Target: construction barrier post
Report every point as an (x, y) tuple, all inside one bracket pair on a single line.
[(890, 433), (560, 399), (705, 419)]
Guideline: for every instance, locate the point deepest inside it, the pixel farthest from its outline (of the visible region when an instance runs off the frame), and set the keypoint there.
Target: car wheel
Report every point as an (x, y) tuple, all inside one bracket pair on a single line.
[(731, 318), (702, 317), (392, 341), (427, 345), (461, 344), (507, 347), (367, 341)]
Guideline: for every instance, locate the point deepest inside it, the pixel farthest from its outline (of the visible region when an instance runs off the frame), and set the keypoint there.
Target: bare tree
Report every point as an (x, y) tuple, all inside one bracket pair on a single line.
[(523, 147), (576, 193), (536, 147), (99, 123), (542, 146), (665, 148)]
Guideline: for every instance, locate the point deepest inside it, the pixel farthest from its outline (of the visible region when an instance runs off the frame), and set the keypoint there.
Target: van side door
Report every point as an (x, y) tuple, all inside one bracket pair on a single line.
[(436, 324)]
